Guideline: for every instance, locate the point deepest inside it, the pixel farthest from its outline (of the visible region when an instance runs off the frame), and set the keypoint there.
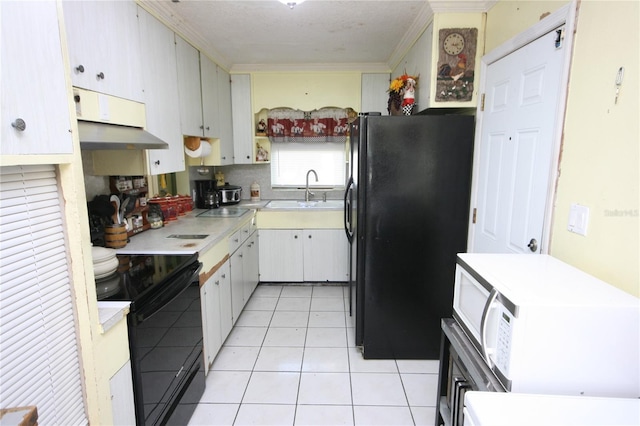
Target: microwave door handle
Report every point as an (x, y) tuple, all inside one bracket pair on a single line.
[(483, 325)]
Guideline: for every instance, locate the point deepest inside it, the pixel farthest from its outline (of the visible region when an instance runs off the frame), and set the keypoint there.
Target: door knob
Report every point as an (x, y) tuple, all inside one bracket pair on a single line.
[(533, 245)]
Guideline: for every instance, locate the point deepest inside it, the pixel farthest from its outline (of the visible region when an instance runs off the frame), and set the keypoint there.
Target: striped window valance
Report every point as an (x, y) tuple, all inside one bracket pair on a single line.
[(320, 125)]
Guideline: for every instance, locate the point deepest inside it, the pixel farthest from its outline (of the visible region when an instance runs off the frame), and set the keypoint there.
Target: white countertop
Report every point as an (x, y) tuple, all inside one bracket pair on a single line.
[(111, 313), (156, 241), (506, 409)]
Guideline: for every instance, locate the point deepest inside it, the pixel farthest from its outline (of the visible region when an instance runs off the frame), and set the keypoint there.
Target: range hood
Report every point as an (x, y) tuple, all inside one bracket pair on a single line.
[(107, 122), (112, 136)]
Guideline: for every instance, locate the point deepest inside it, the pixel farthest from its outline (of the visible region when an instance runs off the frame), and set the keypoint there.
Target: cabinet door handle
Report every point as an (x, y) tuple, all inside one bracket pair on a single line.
[(100, 76), (217, 282), (224, 276), (19, 124), (80, 68), (309, 236), (295, 236), (207, 127)]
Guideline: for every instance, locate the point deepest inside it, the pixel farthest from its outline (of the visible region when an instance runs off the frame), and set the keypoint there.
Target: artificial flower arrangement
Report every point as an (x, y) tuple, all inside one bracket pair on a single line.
[(402, 94)]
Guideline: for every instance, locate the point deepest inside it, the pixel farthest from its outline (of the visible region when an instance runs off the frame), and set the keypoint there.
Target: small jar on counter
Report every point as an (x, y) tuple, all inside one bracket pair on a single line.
[(255, 191), (155, 220)]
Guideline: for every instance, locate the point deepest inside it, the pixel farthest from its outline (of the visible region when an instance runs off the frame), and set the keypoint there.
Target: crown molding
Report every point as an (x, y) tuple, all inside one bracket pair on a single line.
[(461, 6), (413, 33), (338, 67)]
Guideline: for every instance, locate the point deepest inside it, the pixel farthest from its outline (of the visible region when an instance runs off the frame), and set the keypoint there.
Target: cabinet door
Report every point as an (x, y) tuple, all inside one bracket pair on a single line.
[(189, 88), (226, 314), (121, 388), (30, 93), (104, 47), (237, 283), (225, 121), (209, 85), (374, 92), (161, 92), (326, 255), (250, 266), (281, 256), (242, 119), (210, 301)]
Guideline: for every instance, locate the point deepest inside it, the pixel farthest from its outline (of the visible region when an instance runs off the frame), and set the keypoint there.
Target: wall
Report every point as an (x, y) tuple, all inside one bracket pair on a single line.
[(600, 153), (510, 17), (601, 157), (417, 61)]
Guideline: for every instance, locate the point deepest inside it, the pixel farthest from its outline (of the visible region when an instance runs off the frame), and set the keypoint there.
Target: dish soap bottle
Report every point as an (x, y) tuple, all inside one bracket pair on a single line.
[(255, 191)]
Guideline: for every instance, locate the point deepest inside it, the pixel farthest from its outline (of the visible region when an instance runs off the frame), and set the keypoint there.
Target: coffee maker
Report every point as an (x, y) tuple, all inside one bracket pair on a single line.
[(207, 196)]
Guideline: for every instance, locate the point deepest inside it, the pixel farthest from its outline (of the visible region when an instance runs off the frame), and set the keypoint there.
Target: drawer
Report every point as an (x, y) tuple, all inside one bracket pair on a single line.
[(235, 240)]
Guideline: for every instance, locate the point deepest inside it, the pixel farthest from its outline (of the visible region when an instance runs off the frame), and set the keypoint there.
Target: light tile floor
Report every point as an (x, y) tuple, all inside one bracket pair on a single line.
[(290, 360)]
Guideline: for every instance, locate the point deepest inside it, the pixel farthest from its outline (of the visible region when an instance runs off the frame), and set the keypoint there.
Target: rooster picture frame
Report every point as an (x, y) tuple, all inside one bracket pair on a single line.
[(456, 64)]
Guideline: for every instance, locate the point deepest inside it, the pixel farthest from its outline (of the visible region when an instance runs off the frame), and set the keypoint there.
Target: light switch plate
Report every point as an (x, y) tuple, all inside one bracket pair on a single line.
[(578, 219)]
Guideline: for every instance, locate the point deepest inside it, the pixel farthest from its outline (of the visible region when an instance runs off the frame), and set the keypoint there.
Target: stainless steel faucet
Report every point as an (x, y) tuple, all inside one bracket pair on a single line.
[(307, 193)]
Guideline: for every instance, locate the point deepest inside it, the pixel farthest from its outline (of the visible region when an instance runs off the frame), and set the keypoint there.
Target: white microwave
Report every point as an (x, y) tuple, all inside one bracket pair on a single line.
[(543, 326)]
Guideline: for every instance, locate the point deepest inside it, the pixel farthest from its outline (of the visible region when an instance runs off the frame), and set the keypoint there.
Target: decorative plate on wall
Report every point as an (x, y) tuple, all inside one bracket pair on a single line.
[(456, 64)]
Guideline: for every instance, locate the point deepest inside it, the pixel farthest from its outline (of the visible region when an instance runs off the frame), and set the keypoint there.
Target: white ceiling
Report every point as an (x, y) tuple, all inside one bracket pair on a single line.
[(251, 35)]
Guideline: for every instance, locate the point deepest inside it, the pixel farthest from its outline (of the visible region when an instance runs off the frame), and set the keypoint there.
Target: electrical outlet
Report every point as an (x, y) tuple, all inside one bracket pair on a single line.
[(578, 219)]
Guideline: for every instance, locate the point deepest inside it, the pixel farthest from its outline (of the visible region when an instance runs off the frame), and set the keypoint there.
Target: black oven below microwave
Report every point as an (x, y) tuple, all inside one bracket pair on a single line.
[(461, 369)]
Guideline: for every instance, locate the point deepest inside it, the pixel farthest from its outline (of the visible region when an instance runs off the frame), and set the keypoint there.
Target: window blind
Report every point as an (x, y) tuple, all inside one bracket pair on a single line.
[(291, 161), (39, 363)]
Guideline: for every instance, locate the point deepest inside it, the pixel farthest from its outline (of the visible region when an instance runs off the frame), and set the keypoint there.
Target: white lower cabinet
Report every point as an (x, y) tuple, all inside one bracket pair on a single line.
[(237, 283), (296, 255), (250, 266), (243, 247), (215, 297), (121, 388)]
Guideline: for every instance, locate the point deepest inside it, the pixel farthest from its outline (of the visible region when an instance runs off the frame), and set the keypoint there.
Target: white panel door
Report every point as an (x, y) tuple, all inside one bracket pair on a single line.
[(516, 147)]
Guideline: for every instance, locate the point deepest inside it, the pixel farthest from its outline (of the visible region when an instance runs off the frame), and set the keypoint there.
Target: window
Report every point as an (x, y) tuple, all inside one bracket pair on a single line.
[(290, 162)]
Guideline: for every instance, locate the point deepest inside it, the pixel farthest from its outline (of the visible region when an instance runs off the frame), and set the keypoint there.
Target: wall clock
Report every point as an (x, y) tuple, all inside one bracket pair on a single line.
[(453, 43), (456, 64)]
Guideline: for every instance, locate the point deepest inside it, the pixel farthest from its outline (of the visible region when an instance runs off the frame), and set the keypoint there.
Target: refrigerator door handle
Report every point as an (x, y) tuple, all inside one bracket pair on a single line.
[(347, 210)]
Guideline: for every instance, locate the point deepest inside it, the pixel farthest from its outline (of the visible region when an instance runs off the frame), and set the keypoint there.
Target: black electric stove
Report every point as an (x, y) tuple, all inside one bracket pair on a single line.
[(141, 274)]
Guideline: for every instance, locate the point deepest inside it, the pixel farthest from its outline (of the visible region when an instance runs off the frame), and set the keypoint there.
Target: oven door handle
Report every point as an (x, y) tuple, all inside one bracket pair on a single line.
[(183, 281), (483, 326)]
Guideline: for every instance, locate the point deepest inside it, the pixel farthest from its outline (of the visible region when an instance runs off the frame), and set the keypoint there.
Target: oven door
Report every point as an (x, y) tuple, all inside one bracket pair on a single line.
[(461, 369), (165, 340)]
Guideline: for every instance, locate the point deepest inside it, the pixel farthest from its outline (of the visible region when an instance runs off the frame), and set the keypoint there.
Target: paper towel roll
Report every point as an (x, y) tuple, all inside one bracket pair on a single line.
[(202, 151)]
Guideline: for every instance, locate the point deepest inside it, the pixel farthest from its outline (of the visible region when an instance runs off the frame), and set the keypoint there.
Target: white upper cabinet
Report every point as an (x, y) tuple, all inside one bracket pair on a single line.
[(35, 102), (242, 119), (225, 132), (374, 93), (160, 94), (210, 108), (189, 88), (104, 47)]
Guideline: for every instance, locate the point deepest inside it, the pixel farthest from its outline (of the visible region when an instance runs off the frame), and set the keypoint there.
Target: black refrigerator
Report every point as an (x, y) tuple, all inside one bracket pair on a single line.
[(406, 218)]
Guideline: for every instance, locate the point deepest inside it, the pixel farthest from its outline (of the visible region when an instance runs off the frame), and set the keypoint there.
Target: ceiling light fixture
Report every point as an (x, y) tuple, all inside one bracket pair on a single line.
[(291, 3)]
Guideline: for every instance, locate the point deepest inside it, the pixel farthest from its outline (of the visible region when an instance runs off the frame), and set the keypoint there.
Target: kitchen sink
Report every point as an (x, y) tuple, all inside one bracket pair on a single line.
[(312, 205)]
